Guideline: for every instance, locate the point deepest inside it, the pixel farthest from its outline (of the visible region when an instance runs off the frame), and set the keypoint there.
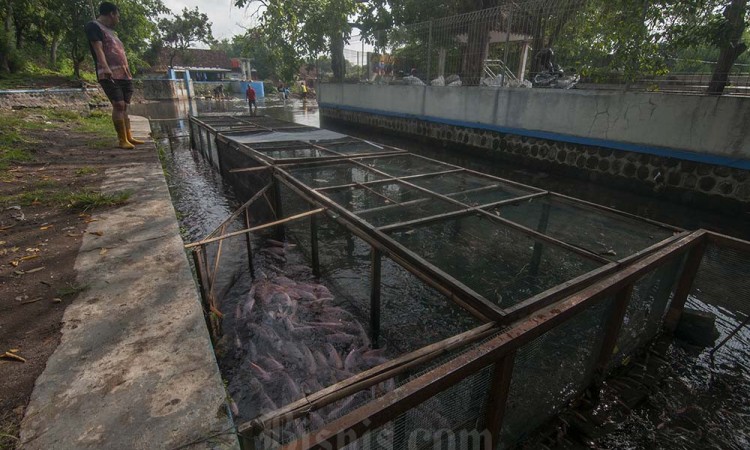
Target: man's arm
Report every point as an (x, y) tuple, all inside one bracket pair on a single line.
[(101, 60)]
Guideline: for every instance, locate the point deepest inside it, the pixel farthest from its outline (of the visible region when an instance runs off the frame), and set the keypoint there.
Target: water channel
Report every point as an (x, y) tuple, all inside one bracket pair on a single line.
[(700, 402)]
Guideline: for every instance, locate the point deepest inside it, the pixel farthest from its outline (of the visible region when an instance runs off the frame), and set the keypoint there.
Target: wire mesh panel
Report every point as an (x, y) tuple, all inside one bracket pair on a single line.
[(352, 147), (414, 315), (388, 202), (450, 419), (646, 309), (405, 165), (298, 152), (500, 263), (723, 279), (551, 370), (545, 43), (471, 189), (722, 287), (602, 232), (334, 174)]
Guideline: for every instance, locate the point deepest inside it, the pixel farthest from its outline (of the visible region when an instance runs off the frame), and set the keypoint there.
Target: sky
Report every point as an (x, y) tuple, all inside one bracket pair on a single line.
[(226, 20)]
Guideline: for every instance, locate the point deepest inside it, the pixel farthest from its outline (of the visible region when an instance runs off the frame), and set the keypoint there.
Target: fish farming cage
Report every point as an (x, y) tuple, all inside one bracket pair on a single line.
[(721, 287), (389, 297)]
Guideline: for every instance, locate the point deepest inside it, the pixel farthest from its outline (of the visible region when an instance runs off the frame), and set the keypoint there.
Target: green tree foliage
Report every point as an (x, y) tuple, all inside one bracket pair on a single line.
[(266, 60), (56, 26), (181, 31), (299, 30)]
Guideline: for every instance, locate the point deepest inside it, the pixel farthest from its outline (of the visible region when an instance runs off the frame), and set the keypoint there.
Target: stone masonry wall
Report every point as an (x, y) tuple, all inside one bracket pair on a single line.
[(717, 187)]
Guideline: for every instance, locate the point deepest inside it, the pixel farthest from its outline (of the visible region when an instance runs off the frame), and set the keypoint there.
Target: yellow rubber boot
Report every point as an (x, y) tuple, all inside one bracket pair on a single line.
[(131, 139), (122, 134)]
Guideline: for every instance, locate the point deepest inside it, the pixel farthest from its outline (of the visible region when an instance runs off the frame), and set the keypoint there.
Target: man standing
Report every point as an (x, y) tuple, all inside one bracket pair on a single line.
[(112, 69), (250, 94)]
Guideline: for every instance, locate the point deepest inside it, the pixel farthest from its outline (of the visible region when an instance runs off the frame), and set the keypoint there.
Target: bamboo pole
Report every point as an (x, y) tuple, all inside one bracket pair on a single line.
[(314, 249), (249, 242), (257, 228)]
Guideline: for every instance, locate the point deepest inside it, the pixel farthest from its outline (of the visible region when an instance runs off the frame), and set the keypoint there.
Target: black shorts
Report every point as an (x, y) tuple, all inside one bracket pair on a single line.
[(118, 90), (251, 103)]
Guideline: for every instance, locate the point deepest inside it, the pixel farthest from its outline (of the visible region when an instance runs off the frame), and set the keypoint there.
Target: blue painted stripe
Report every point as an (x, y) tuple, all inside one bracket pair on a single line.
[(687, 155)]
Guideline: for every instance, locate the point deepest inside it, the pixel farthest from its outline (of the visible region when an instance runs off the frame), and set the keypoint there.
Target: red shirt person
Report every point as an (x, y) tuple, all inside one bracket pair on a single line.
[(250, 94)]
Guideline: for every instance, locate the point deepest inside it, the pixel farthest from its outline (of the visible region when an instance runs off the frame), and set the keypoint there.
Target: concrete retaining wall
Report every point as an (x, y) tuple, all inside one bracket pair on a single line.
[(48, 98), (719, 172), (163, 89), (637, 121)]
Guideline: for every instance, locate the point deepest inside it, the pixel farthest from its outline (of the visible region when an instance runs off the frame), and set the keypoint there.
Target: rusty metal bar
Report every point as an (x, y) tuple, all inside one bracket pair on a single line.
[(498, 396), (536, 256), (723, 240), (684, 285), (375, 284), (612, 329)]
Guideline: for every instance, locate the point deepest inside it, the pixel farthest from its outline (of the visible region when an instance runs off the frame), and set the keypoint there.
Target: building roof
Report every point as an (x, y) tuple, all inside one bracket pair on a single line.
[(193, 58)]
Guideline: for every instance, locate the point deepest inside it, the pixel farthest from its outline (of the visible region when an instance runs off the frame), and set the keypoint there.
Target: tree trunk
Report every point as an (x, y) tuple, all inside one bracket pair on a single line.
[(5, 47), (19, 38), (54, 45), (337, 57), (734, 14)]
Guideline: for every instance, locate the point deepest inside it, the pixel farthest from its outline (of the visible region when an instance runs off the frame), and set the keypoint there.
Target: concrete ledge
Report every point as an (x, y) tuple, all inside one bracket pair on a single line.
[(135, 367)]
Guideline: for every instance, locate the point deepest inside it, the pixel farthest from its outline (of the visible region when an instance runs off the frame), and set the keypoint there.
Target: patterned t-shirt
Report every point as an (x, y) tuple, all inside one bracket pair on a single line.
[(114, 52)]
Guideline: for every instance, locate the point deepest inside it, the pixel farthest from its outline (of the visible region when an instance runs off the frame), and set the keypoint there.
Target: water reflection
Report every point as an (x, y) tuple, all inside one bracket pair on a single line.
[(304, 112)]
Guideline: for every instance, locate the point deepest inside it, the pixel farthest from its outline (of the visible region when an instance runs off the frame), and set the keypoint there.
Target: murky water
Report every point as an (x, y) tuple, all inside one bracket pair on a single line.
[(702, 402)]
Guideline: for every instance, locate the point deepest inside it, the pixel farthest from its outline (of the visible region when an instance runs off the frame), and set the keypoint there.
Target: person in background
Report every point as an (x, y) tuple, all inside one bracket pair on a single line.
[(112, 69), (250, 95), (303, 87)]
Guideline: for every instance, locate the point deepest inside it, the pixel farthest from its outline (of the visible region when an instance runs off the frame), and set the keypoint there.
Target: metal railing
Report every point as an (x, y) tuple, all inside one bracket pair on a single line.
[(586, 38)]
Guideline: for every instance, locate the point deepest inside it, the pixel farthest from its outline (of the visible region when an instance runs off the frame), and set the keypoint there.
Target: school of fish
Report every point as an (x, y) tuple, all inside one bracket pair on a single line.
[(293, 340)]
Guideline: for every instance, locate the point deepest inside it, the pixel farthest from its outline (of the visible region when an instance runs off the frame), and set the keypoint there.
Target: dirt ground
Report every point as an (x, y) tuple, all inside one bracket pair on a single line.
[(52, 163)]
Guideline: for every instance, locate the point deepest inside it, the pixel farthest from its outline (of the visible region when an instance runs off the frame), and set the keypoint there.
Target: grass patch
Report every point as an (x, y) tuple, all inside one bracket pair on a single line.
[(92, 200), (71, 289), (83, 171), (14, 147), (51, 194), (17, 127), (9, 428)]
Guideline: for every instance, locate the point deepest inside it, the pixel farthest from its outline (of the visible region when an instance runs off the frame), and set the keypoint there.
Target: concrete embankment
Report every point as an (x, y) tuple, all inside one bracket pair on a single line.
[(135, 367)]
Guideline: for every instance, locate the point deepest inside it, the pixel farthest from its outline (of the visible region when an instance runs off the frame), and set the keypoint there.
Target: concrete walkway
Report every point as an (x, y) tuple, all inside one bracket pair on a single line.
[(135, 367)]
